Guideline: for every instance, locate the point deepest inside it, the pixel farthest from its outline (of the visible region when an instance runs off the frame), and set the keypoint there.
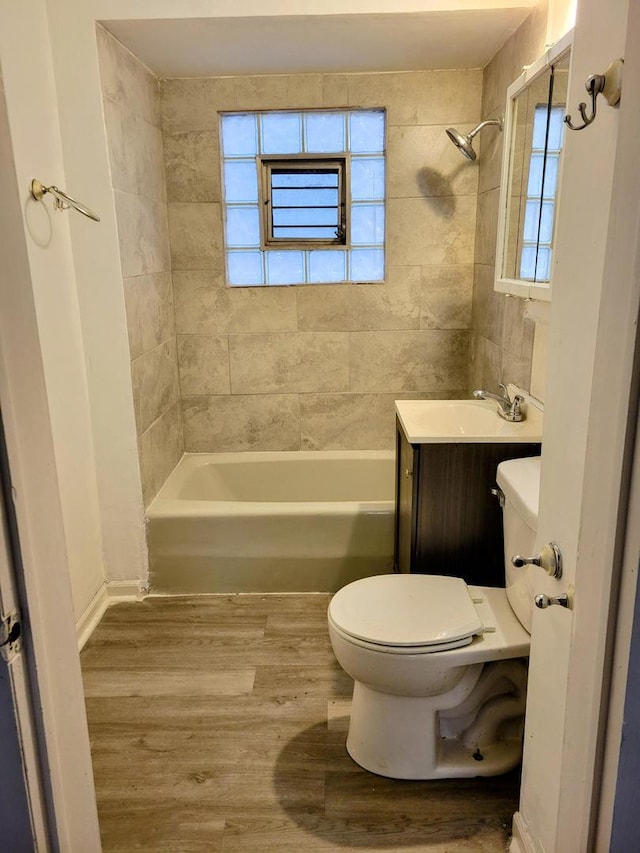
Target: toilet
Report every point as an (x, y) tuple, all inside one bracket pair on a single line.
[(440, 667)]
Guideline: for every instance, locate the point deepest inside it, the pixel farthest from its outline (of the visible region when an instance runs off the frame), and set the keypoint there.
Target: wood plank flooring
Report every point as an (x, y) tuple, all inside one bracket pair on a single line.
[(218, 724)]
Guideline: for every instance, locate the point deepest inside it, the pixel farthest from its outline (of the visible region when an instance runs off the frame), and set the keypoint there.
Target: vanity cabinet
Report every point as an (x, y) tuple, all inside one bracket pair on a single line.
[(447, 520)]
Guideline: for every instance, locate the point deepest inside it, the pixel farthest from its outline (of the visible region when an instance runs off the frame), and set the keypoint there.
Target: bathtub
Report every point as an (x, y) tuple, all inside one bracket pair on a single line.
[(309, 521)]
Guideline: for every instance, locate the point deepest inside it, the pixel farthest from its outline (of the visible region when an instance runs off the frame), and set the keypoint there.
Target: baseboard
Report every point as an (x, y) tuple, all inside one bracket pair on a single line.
[(522, 841), (110, 592)]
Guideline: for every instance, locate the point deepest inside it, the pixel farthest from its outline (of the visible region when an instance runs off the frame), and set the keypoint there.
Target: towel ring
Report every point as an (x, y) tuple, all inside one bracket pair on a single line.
[(62, 201)]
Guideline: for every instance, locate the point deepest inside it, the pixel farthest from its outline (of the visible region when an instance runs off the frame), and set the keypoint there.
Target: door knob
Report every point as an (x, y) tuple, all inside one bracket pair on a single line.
[(549, 559), (544, 601)]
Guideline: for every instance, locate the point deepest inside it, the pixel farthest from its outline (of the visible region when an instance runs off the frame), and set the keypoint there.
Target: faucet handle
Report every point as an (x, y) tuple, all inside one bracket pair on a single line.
[(516, 403), (504, 390)]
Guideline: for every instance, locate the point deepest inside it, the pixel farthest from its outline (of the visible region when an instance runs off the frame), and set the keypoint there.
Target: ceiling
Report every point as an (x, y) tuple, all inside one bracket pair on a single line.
[(394, 41)]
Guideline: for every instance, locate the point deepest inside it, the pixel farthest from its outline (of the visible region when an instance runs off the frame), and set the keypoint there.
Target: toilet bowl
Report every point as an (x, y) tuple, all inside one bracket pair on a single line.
[(440, 667)]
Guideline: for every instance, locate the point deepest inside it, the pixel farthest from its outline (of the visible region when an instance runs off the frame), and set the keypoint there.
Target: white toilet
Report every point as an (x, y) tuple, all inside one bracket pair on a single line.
[(440, 668)]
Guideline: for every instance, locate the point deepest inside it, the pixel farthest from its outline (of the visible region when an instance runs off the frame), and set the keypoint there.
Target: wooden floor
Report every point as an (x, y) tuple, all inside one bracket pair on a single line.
[(218, 725)]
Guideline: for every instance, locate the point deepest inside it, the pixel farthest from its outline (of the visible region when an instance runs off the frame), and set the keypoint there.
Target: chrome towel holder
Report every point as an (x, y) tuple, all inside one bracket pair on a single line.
[(62, 201), (608, 84)]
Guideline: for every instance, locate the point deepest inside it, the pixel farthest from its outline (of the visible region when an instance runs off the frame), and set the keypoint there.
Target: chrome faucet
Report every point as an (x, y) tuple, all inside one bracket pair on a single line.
[(510, 410)]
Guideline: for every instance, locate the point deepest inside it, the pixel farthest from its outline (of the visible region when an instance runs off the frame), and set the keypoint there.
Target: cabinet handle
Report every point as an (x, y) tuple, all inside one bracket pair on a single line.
[(407, 473)]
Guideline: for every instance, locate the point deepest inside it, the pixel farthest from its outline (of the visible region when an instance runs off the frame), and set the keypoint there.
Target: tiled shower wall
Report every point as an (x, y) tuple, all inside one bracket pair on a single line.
[(319, 366), (502, 345), (132, 114)]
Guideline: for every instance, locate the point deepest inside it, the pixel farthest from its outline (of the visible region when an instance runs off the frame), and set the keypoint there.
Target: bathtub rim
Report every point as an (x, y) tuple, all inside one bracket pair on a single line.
[(167, 503)]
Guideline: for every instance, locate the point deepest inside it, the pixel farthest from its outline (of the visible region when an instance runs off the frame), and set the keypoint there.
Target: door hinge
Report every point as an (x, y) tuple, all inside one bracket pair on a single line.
[(10, 635)]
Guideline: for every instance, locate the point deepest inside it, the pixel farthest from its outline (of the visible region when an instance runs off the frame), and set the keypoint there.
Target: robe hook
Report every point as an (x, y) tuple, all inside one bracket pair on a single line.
[(608, 84)]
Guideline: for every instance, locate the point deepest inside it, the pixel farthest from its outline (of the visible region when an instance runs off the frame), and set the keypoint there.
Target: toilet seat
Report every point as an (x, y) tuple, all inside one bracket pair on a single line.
[(406, 613)]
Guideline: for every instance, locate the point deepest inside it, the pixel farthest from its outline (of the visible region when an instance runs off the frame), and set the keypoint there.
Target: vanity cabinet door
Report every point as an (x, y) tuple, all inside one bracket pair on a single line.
[(447, 520)]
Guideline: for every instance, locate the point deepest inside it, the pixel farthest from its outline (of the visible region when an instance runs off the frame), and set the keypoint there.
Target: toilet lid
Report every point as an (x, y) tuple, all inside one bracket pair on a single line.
[(406, 610)]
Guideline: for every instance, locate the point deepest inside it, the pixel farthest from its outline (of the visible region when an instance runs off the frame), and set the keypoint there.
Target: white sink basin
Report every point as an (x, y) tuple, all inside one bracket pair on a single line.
[(454, 421)]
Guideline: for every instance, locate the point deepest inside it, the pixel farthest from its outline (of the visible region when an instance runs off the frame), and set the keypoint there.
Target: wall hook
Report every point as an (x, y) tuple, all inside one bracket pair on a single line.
[(608, 84)]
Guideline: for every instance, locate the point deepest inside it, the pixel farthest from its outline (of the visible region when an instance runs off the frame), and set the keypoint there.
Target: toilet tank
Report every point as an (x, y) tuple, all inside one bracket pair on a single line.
[(519, 480)]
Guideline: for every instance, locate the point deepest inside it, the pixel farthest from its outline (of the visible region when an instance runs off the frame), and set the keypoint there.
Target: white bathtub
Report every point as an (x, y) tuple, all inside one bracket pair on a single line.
[(309, 521)]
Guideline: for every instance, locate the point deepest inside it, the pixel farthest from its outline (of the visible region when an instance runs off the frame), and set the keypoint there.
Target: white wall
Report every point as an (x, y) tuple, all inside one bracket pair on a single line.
[(32, 112), (99, 287), (78, 293), (41, 370)]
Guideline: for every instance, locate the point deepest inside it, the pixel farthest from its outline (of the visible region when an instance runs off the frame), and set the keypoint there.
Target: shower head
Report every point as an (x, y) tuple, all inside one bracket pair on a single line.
[(464, 143)]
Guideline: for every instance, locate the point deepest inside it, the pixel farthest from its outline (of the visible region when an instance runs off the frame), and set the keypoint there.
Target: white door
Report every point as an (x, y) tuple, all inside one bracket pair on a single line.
[(22, 807), (592, 337)]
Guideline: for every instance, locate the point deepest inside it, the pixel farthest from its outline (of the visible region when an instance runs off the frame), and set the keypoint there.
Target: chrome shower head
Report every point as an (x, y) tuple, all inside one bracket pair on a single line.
[(464, 143)]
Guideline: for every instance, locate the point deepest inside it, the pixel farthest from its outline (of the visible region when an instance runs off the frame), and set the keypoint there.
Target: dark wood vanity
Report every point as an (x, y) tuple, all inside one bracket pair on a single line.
[(448, 522)]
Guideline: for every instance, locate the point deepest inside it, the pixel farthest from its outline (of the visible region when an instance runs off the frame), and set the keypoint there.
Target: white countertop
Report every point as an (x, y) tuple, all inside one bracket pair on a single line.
[(465, 421)]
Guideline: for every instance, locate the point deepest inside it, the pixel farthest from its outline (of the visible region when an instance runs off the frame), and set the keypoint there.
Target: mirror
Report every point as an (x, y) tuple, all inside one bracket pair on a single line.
[(534, 138)]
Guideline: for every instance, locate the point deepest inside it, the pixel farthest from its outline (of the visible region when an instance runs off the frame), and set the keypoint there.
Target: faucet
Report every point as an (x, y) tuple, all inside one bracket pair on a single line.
[(510, 410)]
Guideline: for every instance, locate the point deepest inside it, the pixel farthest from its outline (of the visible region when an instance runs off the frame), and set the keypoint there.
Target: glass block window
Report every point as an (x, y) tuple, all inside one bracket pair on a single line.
[(539, 212), (304, 196)]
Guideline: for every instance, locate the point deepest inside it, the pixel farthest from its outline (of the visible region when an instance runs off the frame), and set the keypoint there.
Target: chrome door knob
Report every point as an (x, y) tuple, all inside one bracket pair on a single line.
[(549, 559), (544, 601)]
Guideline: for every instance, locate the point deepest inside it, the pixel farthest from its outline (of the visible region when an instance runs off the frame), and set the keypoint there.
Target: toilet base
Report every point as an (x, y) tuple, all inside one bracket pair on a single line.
[(400, 736)]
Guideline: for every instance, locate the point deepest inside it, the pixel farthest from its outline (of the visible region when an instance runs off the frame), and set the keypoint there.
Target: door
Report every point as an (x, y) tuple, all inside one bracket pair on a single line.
[(585, 455), (22, 815)]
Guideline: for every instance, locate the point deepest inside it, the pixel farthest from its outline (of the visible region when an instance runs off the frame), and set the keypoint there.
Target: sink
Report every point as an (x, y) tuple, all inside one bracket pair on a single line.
[(457, 421)]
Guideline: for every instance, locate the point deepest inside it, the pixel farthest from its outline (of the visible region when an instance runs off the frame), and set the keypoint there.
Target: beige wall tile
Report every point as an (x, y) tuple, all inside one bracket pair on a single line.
[(272, 92), (132, 115), (517, 335), (420, 97), (204, 304), (335, 90), (193, 104), (490, 145), (423, 231), (193, 166), (347, 421), (487, 227), (490, 354), (135, 153), (143, 234), (196, 236), (423, 162), (488, 305), (429, 360), (516, 369), (305, 340), (486, 364), (203, 362), (350, 307), (523, 48), (160, 448), (241, 422), (125, 80), (188, 104), (289, 363), (149, 306), (446, 296), (155, 383)]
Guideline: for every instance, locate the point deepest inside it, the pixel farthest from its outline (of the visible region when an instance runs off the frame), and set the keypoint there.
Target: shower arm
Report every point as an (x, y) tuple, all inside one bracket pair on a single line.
[(490, 122)]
